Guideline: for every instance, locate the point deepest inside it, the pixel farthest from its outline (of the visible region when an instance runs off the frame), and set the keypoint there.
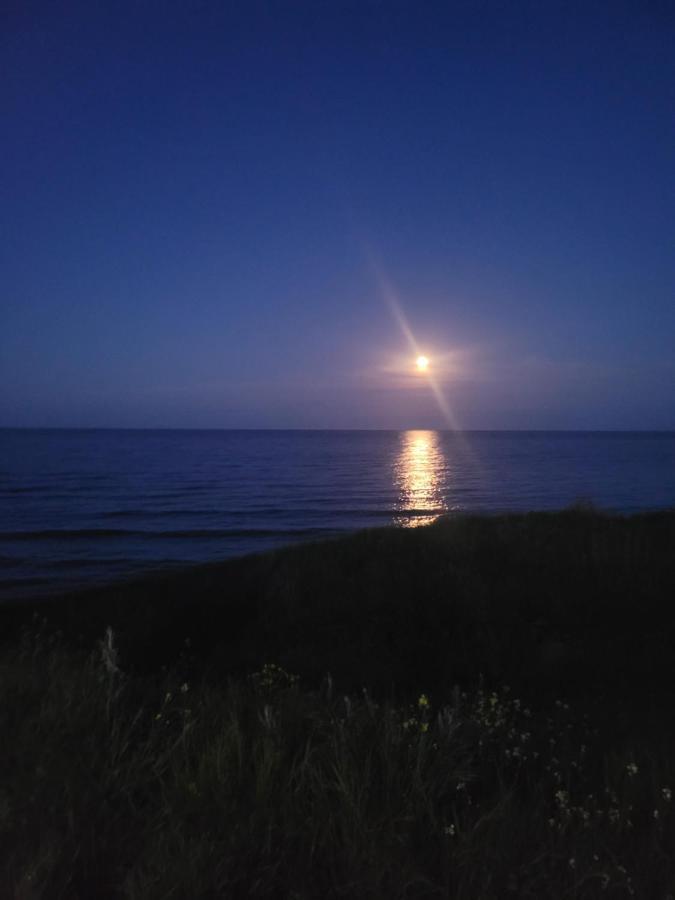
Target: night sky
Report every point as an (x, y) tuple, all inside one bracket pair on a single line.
[(228, 214)]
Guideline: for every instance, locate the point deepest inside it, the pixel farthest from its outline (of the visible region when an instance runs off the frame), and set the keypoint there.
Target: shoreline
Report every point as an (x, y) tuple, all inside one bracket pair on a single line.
[(555, 583)]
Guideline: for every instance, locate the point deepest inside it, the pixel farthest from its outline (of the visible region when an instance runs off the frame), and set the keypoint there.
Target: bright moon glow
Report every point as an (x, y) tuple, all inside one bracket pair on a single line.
[(422, 363)]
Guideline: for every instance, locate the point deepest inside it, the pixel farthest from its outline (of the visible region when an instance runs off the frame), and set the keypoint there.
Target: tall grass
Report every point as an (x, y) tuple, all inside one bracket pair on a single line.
[(137, 786), (147, 752)]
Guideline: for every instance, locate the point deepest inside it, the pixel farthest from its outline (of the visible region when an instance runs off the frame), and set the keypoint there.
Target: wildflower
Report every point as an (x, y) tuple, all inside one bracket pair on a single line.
[(667, 794), (423, 701), (449, 830), (562, 798), (184, 688), (632, 769), (272, 677)]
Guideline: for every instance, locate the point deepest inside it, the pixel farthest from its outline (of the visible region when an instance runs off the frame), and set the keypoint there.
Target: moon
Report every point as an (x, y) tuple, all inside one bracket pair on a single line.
[(422, 363)]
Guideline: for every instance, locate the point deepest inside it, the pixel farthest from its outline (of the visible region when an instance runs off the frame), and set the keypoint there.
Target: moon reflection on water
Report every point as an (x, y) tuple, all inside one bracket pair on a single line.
[(419, 472)]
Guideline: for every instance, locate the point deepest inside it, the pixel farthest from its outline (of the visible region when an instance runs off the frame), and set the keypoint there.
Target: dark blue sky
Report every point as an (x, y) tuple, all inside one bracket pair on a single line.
[(211, 212)]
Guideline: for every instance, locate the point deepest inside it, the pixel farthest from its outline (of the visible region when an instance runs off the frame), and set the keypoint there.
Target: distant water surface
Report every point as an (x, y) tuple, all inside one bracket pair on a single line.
[(82, 507)]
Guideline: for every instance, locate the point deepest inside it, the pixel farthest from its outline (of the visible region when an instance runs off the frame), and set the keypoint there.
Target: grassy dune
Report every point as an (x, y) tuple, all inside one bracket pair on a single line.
[(478, 709)]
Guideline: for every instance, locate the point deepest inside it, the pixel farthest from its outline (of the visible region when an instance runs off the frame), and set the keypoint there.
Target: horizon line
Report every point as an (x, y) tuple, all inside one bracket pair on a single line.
[(345, 430)]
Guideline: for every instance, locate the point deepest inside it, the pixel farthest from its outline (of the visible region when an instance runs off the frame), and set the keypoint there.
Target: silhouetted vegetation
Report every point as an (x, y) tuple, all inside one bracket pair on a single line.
[(477, 709)]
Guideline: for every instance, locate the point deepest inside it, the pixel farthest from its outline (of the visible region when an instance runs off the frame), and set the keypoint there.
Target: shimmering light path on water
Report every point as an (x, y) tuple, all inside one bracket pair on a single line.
[(421, 472)]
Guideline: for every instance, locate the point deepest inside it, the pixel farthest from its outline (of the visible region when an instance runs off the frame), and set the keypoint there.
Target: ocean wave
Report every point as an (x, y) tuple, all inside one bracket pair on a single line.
[(323, 512), (102, 533)]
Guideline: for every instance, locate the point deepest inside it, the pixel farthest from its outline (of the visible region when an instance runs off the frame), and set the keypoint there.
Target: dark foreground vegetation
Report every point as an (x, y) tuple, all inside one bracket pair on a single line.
[(499, 720)]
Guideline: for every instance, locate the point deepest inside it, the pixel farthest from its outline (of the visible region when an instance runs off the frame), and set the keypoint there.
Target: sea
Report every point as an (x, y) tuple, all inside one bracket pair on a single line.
[(89, 507)]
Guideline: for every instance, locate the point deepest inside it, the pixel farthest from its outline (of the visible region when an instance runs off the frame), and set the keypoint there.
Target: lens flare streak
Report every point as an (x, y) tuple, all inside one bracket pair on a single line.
[(396, 310)]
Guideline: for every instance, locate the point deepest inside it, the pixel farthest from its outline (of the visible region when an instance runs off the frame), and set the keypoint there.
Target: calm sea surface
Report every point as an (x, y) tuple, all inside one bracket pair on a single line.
[(79, 507)]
